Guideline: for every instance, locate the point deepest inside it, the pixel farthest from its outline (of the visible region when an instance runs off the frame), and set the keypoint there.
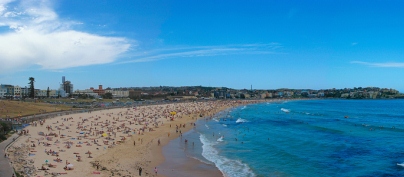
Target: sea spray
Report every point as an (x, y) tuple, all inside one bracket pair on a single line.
[(285, 110), (240, 120), (220, 139)]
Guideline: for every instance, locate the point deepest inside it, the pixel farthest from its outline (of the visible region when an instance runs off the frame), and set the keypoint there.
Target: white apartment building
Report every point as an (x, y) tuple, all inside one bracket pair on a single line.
[(17, 92), (41, 93), (88, 92), (53, 93), (118, 93)]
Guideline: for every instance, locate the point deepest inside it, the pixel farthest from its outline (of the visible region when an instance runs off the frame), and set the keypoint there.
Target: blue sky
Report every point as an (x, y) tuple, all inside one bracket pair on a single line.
[(269, 44)]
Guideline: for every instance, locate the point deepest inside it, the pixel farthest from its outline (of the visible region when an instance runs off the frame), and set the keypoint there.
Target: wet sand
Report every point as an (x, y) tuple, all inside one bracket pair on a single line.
[(178, 163)]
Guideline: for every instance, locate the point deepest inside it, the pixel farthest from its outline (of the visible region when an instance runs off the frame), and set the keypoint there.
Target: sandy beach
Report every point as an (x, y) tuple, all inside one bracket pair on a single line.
[(115, 142)]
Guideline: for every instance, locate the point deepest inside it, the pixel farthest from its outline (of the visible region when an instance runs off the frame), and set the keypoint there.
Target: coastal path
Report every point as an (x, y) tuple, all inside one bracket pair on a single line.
[(5, 167)]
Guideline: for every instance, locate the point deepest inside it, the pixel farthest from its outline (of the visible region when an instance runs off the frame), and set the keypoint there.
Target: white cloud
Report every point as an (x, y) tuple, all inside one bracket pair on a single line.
[(3, 4), (381, 65), (38, 37), (199, 51)]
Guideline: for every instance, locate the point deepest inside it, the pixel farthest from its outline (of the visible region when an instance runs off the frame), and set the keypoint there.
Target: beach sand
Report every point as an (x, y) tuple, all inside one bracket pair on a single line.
[(118, 141)]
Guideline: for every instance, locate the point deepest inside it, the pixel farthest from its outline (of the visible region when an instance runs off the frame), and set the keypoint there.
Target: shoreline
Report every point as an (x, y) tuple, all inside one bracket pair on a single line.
[(186, 159), (195, 164), (160, 158), (118, 160)]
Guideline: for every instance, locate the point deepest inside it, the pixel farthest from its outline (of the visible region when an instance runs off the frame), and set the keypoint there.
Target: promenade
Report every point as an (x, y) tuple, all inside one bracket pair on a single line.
[(5, 168)]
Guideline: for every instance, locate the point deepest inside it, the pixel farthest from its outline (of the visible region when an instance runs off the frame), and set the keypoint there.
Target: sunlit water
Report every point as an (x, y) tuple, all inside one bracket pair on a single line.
[(303, 138)]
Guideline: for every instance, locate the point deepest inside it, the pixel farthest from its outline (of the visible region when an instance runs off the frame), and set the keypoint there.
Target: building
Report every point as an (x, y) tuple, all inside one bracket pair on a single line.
[(66, 88), (52, 93), (44, 93), (6, 91), (99, 91), (88, 92), (3, 91), (41, 93), (17, 92), (24, 92), (36, 93), (62, 93), (117, 93)]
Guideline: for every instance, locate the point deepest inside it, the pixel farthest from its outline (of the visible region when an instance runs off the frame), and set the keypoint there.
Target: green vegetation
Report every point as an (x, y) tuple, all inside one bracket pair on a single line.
[(107, 96), (4, 130), (31, 87)]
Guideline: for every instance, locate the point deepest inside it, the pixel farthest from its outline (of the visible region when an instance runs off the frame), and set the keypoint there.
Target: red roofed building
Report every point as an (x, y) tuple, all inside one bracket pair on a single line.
[(99, 91)]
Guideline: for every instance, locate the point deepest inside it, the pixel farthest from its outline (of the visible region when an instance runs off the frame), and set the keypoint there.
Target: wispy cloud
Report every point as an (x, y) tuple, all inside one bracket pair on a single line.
[(37, 36), (200, 51), (381, 65)]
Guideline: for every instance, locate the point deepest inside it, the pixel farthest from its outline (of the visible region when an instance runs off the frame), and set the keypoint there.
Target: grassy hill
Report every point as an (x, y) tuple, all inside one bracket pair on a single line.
[(21, 108)]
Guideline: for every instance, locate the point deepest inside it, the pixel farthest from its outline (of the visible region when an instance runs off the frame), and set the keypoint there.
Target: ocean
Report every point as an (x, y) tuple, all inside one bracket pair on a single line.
[(302, 138)]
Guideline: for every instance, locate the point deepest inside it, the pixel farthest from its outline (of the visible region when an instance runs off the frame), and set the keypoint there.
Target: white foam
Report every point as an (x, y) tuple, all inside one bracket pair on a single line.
[(227, 166), (220, 139), (285, 110), (244, 107), (224, 125), (400, 164), (207, 126), (240, 120)]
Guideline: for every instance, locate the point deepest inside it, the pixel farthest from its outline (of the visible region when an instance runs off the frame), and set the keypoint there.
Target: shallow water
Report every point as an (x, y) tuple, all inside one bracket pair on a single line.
[(304, 138)]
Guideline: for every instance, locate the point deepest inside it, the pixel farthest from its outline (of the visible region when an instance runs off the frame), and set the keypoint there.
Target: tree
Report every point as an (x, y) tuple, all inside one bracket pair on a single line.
[(108, 95), (47, 92), (31, 87)]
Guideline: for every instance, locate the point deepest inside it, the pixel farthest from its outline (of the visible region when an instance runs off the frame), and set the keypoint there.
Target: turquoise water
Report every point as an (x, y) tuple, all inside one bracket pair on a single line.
[(304, 138)]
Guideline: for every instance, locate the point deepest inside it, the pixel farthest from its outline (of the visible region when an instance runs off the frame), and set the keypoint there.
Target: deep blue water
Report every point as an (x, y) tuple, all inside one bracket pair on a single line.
[(304, 138)]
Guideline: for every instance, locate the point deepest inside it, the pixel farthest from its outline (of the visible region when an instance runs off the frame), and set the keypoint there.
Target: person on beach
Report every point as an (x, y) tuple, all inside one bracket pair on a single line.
[(93, 127), (155, 170)]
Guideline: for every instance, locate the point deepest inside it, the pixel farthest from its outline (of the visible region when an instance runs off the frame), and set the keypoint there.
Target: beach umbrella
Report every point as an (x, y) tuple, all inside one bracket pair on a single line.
[(70, 165), (173, 113), (104, 134)]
